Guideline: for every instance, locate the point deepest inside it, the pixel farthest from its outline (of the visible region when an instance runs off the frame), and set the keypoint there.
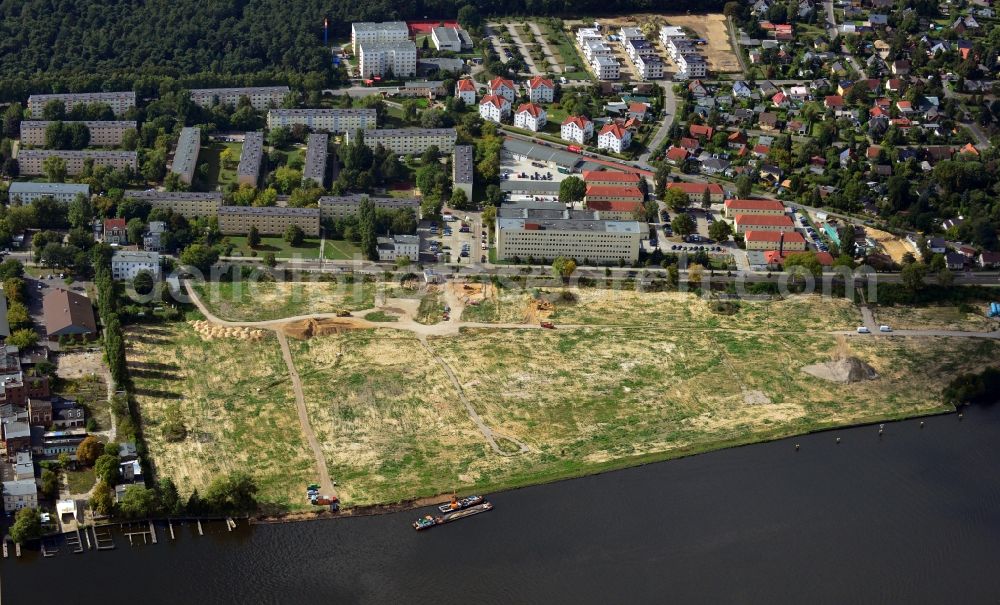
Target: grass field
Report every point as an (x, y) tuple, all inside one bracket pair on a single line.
[(219, 175), (964, 317), (236, 403), (310, 248), (256, 301), (80, 481)]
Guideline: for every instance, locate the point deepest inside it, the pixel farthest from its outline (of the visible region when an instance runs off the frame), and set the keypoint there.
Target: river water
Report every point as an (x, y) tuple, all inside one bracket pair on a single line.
[(912, 516)]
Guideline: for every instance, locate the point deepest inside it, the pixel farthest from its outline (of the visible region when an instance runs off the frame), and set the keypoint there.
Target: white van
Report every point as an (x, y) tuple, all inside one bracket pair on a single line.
[(863, 330), (884, 329)]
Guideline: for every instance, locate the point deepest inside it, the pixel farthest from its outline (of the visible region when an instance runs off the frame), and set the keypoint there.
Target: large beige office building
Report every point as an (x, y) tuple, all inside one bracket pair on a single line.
[(383, 58), (102, 133), (120, 102), (547, 231), (186, 155), (411, 140), (269, 220), (330, 120), (30, 161), (333, 207), (316, 155), (260, 97), (248, 171), (189, 204)]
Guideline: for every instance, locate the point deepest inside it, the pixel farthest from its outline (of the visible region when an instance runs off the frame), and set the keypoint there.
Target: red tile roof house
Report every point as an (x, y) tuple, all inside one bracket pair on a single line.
[(762, 222), (611, 178), (114, 231), (696, 191), (615, 210), (833, 102), (677, 155), (613, 193), (735, 207), (638, 111), (774, 240), (690, 143), (699, 131)]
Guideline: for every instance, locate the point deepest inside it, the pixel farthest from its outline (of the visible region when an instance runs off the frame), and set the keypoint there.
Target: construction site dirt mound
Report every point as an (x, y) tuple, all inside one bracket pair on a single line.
[(308, 328), (845, 370), (210, 331)]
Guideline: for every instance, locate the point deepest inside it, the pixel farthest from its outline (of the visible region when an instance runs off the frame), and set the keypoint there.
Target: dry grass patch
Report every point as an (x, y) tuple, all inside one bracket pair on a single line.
[(236, 403), (261, 301), (962, 317)]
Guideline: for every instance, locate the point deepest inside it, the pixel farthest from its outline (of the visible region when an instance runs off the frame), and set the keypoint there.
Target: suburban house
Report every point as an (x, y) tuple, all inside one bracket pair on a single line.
[(530, 117), (114, 231), (540, 90), (614, 137), (494, 108), (68, 314), (577, 129), (502, 87), (465, 89)]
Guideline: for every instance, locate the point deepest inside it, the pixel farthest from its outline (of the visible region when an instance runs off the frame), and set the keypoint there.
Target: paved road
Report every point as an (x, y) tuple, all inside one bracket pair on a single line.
[(831, 20), (554, 65), (669, 113), (734, 41)]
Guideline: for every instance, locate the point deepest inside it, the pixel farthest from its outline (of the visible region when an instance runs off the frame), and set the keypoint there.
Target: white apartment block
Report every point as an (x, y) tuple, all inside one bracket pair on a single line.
[(493, 108), (186, 155), (596, 48), (189, 204), (465, 89), (639, 48), (329, 120), (531, 117), (28, 192), (615, 138), (30, 161), (692, 66), (102, 133), (606, 68), (669, 32), (317, 149), (399, 246), (530, 232), (540, 90), (126, 264), (388, 31), (502, 87), (649, 68), (626, 34), (381, 58), (576, 129), (678, 46), (120, 102), (588, 34), (260, 97), (251, 156), (269, 220), (408, 141)]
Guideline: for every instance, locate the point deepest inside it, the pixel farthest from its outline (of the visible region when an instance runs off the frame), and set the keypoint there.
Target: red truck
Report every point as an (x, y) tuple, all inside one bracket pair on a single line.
[(573, 148)]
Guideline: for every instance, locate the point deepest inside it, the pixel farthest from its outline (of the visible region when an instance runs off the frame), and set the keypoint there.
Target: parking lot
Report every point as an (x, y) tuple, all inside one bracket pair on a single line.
[(516, 165), (450, 242)]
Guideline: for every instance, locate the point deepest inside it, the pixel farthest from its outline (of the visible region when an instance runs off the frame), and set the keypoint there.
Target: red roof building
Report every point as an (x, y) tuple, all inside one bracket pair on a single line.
[(774, 240), (615, 210), (677, 155), (762, 222), (610, 177), (833, 102), (700, 130), (614, 193), (532, 109), (696, 191), (539, 82), (734, 207)]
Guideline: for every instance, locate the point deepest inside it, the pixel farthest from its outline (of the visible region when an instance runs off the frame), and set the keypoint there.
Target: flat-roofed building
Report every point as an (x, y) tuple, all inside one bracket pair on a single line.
[(61, 192), (775, 240), (605, 68), (186, 155), (454, 39), (387, 31), (260, 97), (733, 207), (763, 222), (649, 67), (330, 120), (126, 264), (384, 58), (333, 207), (547, 234), (186, 203), (248, 170), (269, 220), (20, 494), (103, 133), (411, 140), (399, 246), (120, 102), (692, 66), (317, 145), (462, 169), (30, 161)]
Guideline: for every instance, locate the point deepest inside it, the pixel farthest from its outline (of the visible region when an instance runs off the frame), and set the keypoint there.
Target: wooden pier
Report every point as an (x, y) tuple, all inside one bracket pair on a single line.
[(75, 541), (152, 532), (170, 526), (104, 538), (133, 534)]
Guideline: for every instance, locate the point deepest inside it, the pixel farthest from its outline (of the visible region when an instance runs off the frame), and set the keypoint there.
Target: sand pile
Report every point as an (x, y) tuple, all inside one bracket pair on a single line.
[(845, 370), (308, 328), (210, 331)]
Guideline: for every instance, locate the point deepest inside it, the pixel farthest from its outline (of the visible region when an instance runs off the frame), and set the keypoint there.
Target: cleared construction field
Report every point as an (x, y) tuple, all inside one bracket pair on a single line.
[(968, 318), (233, 397), (260, 301)]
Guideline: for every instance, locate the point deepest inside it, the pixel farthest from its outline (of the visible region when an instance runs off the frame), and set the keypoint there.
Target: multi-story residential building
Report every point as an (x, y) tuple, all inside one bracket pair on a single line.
[(186, 155), (691, 66), (670, 32), (544, 234), (152, 239), (120, 102), (577, 129), (494, 108), (317, 148), (774, 240), (616, 210), (114, 231), (454, 39), (614, 137), (596, 48), (606, 68), (28, 192), (24, 468), (612, 193), (398, 59), (734, 207), (399, 246), (411, 140), (465, 89), (189, 204), (102, 133), (126, 264), (31, 161), (388, 31), (627, 34), (695, 192), (611, 178), (530, 116), (334, 207), (248, 170), (330, 120), (540, 90), (260, 97), (649, 67), (20, 494), (502, 87), (639, 47), (462, 170), (763, 222), (588, 34), (269, 220)]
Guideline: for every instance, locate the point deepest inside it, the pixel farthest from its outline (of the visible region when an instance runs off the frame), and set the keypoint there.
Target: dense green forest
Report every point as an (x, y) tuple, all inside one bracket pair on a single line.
[(86, 45)]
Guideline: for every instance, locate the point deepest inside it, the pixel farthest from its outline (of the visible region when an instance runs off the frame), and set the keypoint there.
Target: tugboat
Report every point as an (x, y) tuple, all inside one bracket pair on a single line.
[(456, 504), (427, 522)]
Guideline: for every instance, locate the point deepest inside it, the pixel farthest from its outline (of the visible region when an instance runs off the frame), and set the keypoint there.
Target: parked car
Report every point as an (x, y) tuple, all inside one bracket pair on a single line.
[(863, 330), (884, 328)]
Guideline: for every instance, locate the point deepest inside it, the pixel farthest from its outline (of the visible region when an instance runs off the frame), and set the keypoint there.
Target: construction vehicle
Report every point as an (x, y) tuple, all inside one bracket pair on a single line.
[(548, 325), (343, 313)]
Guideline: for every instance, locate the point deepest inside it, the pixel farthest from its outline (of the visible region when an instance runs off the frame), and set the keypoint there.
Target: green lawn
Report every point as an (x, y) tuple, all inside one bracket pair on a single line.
[(333, 250), (338, 249), (80, 481), (219, 175)]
